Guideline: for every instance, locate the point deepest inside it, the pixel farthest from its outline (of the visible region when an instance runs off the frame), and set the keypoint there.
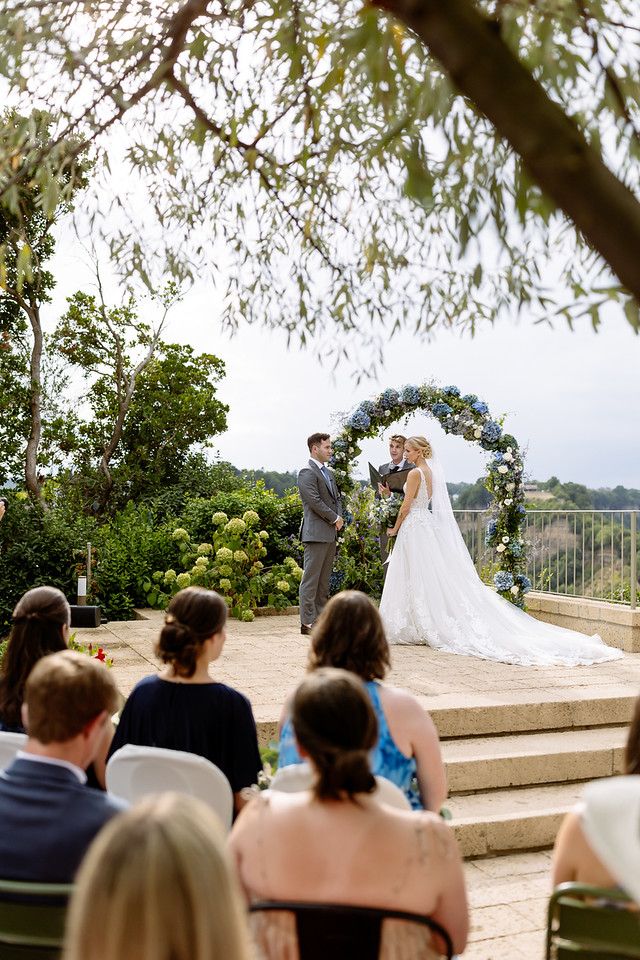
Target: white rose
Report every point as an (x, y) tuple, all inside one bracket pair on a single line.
[(350, 449), (505, 539), (477, 432), (509, 449), (515, 589), (508, 502), (511, 487), (456, 417), (501, 548), (503, 469), (508, 456)]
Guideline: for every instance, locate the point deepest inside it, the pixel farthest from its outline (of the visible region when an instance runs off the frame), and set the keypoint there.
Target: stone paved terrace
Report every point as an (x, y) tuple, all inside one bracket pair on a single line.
[(265, 658)]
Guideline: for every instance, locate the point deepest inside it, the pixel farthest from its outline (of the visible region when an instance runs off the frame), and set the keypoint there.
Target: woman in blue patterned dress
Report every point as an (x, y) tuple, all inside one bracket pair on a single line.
[(349, 634)]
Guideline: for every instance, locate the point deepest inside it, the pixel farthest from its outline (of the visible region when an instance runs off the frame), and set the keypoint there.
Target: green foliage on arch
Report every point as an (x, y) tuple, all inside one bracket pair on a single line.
[(469, 417)]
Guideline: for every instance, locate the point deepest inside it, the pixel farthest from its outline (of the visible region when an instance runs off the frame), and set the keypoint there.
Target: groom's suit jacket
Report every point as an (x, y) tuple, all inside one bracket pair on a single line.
[(321, 504)]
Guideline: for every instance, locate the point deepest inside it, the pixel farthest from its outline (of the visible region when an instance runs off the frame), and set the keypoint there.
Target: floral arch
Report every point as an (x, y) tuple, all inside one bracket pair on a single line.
[(465, 416)]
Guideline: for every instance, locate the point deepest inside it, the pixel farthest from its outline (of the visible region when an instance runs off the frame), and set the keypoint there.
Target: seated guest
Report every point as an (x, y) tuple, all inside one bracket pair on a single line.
[(610, 821), (40, 626), (335, 844), (182, 708), (160, 882), (349, 634), (573, 856), (48, 816), (41, 621)]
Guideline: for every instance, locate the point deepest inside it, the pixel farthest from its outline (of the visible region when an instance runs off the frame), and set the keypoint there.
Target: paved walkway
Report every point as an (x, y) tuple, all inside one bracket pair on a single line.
[(265, 658)]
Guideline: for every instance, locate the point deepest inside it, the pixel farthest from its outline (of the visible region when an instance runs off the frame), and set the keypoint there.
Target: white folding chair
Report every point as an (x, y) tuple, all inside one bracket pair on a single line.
[(10, 743), (134, 772), (298, 776)]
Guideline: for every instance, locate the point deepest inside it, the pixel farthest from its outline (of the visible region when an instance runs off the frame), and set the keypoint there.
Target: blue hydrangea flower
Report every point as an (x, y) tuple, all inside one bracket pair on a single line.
[(410, 395), (441, 409), (480, 406), (451, 391), (503, 580), (515, 549), (470, 398), (521, 510), (492, 527), (366, 407), (390, 398), (359, 420), (523, 582), (491, 432), (336, 581), (347, 516)]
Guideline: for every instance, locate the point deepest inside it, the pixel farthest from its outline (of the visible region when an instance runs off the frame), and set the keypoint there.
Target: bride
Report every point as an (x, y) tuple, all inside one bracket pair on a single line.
[(433, 595)]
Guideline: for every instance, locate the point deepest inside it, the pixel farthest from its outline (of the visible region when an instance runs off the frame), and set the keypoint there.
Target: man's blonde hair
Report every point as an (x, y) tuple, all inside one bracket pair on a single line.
[(397, 438), (64, 692), (160, 880)]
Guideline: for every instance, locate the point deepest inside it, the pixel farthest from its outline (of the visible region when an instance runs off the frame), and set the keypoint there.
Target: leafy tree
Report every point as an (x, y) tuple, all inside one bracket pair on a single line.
[(327, 164), (29, 210), (474, 497), (150, 401)]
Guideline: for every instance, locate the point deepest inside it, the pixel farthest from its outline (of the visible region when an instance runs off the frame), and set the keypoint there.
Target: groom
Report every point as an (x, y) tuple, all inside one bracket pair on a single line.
[(321, 521)]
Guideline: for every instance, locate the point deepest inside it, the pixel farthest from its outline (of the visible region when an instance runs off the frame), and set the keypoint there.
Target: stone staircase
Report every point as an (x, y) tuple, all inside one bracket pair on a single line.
[(515, 769)]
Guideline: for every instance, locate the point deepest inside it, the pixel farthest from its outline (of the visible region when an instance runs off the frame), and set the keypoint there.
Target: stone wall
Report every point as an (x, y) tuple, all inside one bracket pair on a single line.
[(617, 624)]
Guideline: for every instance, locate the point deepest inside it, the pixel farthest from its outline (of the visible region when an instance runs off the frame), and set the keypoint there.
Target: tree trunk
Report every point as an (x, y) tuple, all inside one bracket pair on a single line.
[(551, 147), (35, 396)]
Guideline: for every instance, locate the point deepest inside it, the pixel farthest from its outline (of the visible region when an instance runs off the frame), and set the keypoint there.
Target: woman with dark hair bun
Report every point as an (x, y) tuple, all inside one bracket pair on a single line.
[(41, 621), (182, 708), (336, 844), (350, 634)]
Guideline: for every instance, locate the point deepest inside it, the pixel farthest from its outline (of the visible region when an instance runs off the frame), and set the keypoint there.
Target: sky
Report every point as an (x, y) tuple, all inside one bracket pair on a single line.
[(570, 398)]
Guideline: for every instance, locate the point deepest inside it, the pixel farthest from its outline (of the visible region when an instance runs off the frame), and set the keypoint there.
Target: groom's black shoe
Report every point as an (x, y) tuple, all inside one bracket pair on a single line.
[(304, 629)]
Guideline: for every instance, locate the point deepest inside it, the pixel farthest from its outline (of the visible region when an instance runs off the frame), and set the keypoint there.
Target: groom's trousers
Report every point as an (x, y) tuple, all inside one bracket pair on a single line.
[(316, 578)]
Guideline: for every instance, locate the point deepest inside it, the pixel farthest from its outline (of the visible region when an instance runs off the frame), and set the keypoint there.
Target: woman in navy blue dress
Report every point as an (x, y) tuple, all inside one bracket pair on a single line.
[(181, 707)]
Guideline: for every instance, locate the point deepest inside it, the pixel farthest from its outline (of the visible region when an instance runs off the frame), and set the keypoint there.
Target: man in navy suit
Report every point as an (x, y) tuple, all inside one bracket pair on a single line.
[(321, 521), (48, 815)]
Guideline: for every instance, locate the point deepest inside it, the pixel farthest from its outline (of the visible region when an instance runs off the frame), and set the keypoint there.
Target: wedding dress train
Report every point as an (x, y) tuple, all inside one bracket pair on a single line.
[(433, 596)]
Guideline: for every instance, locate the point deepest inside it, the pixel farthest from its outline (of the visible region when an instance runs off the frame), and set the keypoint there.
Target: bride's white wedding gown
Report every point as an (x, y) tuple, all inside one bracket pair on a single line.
[(433, 595)]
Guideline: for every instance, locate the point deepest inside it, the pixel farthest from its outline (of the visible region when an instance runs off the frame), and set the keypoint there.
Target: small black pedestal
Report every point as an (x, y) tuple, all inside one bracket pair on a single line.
[(85, 616)]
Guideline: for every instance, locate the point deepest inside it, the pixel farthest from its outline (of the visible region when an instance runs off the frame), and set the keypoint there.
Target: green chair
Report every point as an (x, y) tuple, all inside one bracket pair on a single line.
[(591, 923), (32, 917)]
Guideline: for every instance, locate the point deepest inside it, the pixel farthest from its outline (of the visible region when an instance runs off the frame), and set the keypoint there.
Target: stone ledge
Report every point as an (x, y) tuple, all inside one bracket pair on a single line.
[(618, 625)]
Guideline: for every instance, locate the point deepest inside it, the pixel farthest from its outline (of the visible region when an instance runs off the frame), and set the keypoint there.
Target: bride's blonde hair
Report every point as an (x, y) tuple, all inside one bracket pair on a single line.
[(421, 444)]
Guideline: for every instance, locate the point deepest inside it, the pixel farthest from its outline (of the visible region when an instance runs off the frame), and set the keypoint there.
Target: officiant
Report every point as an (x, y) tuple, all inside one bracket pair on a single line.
[(397, 463)]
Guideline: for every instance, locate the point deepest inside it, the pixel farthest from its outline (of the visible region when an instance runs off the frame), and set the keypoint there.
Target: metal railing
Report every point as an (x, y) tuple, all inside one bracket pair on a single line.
[(579, 553)]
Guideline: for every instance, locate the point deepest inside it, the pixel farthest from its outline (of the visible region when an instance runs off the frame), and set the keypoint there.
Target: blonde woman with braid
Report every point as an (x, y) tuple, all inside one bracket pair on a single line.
[(433, 596), (182, 707)]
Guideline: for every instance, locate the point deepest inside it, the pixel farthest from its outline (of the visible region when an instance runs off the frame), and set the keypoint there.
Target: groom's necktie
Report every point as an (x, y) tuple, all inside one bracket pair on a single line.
[(325, 474)]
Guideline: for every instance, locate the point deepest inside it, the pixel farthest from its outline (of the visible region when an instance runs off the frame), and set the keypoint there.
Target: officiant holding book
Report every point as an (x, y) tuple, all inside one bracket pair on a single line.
[(393, 466)]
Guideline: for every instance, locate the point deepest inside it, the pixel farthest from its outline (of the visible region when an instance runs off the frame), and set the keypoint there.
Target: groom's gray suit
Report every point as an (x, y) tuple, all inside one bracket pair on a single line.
[(321, 503)]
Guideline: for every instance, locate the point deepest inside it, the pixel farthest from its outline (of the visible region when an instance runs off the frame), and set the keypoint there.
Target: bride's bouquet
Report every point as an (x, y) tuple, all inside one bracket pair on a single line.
[(386, 510)]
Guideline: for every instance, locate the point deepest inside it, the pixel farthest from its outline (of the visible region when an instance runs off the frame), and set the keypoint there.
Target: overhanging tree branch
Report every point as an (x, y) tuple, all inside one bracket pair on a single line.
[(551, 146)]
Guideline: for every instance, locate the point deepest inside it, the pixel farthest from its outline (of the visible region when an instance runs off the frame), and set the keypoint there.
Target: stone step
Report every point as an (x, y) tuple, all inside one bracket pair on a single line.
[(487, 763), (503, 821), (563, 709)]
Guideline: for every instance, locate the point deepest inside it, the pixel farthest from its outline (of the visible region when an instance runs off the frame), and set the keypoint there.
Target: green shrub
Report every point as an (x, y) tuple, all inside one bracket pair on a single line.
[(37, 548), (231, 562)]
